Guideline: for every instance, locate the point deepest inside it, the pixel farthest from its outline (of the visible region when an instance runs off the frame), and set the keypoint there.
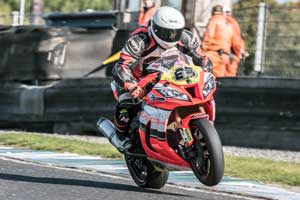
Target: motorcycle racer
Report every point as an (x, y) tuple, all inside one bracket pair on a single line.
[(164, 31)]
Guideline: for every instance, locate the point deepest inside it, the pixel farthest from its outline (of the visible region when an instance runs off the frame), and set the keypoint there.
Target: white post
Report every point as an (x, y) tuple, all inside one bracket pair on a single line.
[(22, 11), (260, 38), (15, 18)]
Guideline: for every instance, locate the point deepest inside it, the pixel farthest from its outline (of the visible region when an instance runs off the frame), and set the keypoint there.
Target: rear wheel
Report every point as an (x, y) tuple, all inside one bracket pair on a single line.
[(145, 174), (208, 164)]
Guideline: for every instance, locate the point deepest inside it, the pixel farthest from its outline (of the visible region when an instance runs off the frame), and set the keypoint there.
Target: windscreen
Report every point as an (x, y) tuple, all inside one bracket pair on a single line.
[(169, 59)]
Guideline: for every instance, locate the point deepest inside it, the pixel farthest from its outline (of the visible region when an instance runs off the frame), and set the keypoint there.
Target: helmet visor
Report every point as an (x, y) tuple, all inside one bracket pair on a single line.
[(167, 35)]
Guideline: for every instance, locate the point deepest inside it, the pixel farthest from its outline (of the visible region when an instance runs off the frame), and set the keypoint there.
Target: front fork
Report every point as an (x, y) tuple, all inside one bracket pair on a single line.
[(186, 148)]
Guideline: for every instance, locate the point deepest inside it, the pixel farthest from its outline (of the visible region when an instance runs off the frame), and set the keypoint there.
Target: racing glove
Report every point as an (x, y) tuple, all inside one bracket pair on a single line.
[(203, 61), (134, 90)]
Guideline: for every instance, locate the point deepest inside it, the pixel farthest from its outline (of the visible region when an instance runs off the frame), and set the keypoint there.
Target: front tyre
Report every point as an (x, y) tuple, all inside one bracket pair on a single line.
[(145, 174), (208, 164)]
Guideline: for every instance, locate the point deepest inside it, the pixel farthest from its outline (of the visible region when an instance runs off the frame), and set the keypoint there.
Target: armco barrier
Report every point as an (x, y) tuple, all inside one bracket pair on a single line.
[(263, 113), (68, 106), (251, 112)]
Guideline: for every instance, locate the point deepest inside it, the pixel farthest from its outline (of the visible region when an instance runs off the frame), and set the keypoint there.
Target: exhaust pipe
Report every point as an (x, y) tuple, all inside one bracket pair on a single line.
[(108, 129)]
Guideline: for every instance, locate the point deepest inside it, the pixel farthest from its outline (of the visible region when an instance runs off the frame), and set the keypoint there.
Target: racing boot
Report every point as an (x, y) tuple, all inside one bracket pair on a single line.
[(122, 121), (118, 133)]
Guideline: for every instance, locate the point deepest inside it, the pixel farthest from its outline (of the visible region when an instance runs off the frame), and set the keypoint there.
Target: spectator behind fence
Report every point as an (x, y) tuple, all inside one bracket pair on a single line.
[(147, 10), (217, 41), (238, 44)]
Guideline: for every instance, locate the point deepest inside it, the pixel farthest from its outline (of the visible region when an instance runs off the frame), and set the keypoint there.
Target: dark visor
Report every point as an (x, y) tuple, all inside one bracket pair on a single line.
[(167, 35)]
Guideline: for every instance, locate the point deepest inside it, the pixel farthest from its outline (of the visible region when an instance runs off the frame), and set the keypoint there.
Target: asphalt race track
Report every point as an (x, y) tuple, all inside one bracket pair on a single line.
[(27, 181), (30, 174)]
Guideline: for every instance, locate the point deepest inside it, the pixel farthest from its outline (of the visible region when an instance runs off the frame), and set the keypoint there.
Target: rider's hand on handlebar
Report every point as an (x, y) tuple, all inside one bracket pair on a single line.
[(134, 90), (137, 93)]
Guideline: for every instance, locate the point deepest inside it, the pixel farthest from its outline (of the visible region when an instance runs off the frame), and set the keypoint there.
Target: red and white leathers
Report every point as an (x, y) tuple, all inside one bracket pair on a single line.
[(142, 49)]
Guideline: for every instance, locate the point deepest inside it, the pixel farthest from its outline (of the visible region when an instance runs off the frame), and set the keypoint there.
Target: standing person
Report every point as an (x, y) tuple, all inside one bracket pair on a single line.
[(217, 41), (164, 31), (238, 44), (147, 10)]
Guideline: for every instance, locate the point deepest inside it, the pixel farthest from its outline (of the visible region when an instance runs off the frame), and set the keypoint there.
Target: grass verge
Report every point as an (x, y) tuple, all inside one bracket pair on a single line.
[(264, 170), (41, 142)]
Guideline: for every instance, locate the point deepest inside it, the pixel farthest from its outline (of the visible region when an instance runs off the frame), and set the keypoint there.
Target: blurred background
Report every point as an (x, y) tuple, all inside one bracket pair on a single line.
[(47, 46), (279, 50)]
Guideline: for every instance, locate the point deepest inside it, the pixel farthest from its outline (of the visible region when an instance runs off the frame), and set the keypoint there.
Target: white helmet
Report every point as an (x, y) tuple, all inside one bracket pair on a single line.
[(167, 25)]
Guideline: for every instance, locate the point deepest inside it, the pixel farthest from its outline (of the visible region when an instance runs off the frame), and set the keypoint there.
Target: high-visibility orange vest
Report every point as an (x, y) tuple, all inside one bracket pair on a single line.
[(218, 38), (146, 16), (238, 43), (218, 34)]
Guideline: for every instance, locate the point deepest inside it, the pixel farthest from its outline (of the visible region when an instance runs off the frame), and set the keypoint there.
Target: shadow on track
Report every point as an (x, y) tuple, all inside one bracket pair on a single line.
[(83, 183)]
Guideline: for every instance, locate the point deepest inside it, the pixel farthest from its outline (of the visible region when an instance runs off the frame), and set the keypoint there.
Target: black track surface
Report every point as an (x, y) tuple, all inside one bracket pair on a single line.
[(22, 181)]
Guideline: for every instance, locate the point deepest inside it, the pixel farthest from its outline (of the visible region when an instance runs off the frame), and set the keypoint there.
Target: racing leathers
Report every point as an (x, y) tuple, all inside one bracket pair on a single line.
[(140, 50)]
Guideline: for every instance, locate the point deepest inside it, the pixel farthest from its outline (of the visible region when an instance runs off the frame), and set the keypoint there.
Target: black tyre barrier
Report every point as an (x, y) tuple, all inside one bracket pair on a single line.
[(251, 112)]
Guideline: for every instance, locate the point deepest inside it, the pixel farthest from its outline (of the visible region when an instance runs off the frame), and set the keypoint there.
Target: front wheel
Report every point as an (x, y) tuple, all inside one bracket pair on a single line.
[(145, 174), (208, 164)]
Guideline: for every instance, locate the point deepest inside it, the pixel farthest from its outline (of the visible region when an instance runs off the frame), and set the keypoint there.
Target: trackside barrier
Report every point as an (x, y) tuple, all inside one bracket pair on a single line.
[(42, 53), (262, 113), (251, 112)]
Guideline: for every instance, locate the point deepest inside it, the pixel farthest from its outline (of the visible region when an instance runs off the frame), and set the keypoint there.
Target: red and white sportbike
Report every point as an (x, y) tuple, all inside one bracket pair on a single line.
[(173, 129)]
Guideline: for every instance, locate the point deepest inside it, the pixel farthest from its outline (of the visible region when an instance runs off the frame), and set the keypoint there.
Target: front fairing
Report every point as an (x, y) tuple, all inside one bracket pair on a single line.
[(175, 100), (181, 82)]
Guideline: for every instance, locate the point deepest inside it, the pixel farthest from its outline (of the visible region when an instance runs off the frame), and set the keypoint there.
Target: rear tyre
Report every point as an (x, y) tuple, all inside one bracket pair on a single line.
[(208, 164), (145, 174)]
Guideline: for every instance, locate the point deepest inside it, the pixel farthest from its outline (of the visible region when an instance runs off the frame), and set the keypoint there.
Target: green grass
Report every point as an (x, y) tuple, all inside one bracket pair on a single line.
[(41, 142), (263, 170)]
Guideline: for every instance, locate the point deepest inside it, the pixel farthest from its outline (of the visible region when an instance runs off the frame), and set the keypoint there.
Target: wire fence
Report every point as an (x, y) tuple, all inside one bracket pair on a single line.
[(281, 50), (247, 18)]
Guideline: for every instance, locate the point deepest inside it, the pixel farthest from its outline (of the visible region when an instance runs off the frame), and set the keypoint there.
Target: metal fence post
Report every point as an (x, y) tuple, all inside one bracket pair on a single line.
[(260, 38), (22, 11)]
